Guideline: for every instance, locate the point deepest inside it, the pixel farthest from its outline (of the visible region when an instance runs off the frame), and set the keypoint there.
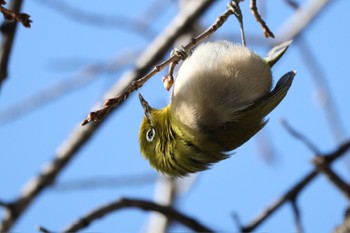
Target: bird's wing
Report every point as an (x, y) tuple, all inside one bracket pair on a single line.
[(248, 121)]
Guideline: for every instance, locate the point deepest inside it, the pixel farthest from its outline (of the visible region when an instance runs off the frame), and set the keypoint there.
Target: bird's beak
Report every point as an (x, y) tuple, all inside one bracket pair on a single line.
[(146, 108)]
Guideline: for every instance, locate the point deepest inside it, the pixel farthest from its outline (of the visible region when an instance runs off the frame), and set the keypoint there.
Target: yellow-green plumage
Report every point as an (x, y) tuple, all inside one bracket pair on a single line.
[(220, 98)]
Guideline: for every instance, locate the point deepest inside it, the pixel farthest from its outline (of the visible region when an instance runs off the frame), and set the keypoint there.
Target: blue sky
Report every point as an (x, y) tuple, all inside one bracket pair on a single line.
[(59, 48)]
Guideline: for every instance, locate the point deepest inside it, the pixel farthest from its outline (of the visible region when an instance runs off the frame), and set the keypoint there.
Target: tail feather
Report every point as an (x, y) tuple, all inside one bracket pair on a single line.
[(265, 105), (276, 53)]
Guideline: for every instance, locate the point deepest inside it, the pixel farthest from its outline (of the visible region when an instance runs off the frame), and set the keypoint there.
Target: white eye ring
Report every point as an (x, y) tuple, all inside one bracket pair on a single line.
[(150, 135)]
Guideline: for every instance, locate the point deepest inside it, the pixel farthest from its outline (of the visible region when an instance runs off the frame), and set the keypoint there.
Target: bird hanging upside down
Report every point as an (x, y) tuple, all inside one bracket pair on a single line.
[(220, 99)]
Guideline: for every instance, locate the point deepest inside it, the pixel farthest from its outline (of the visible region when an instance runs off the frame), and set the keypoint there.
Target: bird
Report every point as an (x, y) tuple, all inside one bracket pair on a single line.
[(220, 99)]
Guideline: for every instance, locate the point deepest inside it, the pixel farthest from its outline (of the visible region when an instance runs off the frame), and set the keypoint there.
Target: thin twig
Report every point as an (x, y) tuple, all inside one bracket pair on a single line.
[(11, 16), (266, 30), (80, 135), (43, 229), (124, 203), (236, 10), (300, 137), (323, 166), (293, 4), (295, 190), (297, 216), (85, 76), (168, 79), (114, 102), (237, 220)]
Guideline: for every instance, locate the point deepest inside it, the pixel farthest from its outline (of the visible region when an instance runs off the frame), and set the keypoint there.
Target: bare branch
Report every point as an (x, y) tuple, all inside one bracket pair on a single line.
[(300, 137), (165, 193), (295, 190), (237, 220), (11, 16), (43, 229), (85, 76), (266, 30), (80, 135), (114, 102), (8, 35), (323, 165), (297, 217), (167, 211), (345, 226), (292, 3)]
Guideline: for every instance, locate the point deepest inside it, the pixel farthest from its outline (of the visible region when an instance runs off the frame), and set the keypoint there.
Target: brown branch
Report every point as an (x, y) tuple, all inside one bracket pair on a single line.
[(297, 217), (300, 137), (8, 35), (43, 229), (295, 190), (323, 165), (266, 30), (124, 203), (85, 76), (114, 102), (80, 135), (293, 4), (11, 15)]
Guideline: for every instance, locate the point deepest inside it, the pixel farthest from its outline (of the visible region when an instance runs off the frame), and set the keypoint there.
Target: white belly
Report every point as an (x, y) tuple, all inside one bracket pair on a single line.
[(217, 80)]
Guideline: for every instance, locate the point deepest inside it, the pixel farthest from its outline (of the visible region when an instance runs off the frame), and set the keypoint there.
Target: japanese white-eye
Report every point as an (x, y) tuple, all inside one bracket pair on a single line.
[(220, 98)]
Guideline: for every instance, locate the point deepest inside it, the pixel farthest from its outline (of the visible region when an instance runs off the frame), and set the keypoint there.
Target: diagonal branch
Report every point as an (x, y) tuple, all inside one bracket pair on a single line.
[(80, 135), (11, 16), (300, 137), (124, 203), (322, 165), (295, 190), (174, 58)]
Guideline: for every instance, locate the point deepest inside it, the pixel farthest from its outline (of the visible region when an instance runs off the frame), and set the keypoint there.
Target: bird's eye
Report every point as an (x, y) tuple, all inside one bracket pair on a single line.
[(150, 134)]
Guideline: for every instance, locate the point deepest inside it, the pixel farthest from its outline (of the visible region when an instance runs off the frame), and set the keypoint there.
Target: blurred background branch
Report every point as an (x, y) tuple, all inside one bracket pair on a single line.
[(81, 135), (167, 192)]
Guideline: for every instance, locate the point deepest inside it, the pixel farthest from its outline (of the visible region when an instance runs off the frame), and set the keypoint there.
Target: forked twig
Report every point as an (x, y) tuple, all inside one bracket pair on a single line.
[(175, 57), (80, 135), (296, 189), (322, 165)]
